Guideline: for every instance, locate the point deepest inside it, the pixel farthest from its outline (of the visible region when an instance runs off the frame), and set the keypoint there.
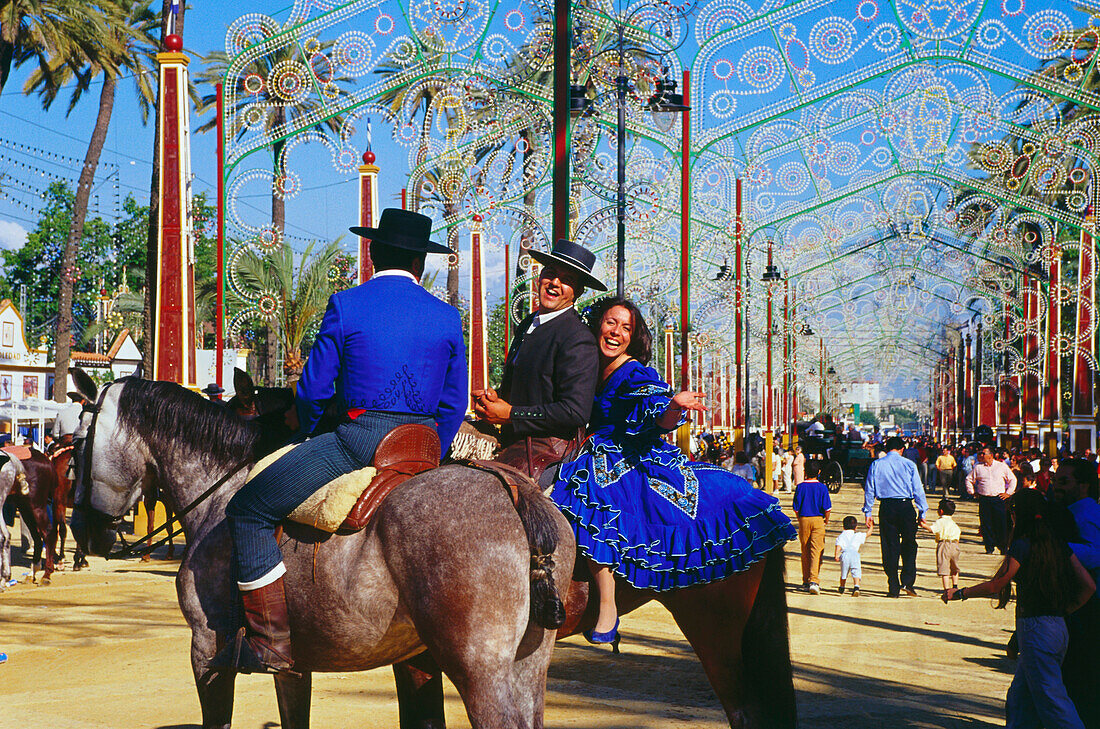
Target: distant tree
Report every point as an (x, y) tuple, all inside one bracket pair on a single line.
[(866, 417), (122, 43)]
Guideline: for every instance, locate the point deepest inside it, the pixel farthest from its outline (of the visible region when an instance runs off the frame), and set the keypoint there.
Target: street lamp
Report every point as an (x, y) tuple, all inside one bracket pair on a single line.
[(659, 18), (772, 278)]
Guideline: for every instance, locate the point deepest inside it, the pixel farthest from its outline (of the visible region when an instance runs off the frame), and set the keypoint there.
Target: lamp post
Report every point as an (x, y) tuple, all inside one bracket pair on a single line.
[(771, 278), (660, 19)]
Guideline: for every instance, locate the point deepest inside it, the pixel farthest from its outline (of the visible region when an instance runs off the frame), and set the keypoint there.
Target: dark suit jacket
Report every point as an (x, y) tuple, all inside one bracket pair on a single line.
[(550, 378)]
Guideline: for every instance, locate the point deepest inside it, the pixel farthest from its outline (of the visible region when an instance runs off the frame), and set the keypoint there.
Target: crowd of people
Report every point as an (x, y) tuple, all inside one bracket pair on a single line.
[(1039, 512)]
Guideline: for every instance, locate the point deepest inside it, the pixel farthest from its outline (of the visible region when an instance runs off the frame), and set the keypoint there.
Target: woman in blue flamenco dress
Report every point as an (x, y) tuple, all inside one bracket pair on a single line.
[(639, 507)]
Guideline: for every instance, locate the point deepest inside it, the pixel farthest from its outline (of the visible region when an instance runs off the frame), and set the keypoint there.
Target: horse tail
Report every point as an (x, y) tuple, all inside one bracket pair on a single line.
[(766, 647), (538, 516)]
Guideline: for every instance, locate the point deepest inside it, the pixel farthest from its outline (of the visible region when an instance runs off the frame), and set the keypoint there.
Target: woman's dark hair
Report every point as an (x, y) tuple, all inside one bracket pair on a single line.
[(641, 340), (1049, 571)]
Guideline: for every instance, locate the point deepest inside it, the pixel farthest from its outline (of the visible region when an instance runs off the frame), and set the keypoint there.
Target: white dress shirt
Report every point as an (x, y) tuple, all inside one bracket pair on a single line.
[(992, 480)]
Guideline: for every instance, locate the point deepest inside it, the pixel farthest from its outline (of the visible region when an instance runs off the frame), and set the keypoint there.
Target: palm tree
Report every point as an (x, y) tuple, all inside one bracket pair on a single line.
[(281, 115), (303, 289), (122, 44), (33, 29)]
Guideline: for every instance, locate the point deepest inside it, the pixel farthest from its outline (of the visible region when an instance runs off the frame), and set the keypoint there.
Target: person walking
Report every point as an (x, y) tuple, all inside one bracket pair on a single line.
[(945, 471), (895, 483), (1050, 584), (993, 483), (798, 466), (1075, 487), (812, 507), (788, 470)]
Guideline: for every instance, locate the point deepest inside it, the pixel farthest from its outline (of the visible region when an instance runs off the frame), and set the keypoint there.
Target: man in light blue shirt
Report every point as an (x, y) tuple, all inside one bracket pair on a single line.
[(895, 482), (966, 466)]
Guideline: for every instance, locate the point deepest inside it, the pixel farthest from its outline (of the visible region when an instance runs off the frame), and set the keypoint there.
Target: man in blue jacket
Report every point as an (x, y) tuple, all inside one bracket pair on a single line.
[(391, 353)]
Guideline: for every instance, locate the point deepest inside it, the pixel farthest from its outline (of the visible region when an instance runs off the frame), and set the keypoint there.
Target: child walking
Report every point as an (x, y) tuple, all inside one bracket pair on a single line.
[(847, 553), (947, 544)]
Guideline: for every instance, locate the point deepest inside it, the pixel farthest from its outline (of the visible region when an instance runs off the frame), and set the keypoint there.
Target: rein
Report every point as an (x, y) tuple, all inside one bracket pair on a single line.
[(133, 550)]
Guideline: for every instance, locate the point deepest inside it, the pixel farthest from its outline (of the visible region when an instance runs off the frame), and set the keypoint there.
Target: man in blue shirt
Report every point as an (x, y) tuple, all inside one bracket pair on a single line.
[(391, 354), (895, 482), (1074, 485), (812, 507)]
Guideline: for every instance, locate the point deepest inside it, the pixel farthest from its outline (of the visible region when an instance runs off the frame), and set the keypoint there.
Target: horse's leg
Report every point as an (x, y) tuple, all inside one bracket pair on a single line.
[(215, 688), (530, 675), (5, 552), (42, 543), (293, 694), (420, 692), (168, 517), (712, 618), (149, 501), (30, 519)]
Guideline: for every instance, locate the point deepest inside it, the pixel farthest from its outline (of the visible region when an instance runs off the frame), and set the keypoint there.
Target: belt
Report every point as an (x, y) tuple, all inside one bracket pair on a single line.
[(896, 498)]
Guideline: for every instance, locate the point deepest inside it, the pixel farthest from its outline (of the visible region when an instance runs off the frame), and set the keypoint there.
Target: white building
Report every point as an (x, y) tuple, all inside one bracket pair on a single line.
[(861, 392)]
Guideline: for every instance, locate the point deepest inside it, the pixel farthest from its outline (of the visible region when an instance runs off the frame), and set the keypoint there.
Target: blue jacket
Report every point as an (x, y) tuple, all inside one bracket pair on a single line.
[(388, 345)]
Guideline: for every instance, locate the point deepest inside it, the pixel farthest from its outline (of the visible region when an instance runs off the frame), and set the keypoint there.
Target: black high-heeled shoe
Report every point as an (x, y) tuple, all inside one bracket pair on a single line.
[(612, 636)]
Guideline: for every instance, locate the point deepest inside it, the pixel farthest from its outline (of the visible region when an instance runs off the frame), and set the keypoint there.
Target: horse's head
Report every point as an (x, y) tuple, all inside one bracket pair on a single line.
[(272, 408), (109, 466)]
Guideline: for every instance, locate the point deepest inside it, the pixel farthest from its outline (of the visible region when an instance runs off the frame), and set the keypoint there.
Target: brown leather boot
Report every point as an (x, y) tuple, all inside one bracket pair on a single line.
[(264, 645)]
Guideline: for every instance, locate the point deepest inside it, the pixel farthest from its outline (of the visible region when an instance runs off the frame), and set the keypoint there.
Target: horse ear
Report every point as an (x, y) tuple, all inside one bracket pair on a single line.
[(84, 384), (243, 385), (139, 372)]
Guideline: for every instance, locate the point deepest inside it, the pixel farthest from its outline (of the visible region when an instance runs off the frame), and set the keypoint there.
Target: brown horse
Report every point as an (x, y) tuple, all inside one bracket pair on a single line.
[(34, 508), (60, 455), (737, 627)]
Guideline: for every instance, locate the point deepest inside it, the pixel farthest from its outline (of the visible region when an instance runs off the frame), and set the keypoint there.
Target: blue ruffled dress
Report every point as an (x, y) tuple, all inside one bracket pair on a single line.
[(640, 506)]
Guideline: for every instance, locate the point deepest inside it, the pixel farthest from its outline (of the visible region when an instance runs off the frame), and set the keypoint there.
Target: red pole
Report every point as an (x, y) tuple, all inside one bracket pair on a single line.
[(769, 416), (403, 206), (219, 311), (507, 298), (685, 231), (562, 66), (738, 314)]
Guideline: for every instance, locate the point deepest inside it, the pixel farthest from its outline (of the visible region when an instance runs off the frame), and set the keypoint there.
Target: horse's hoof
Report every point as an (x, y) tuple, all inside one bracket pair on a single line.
[(146, 558), (45, 582)]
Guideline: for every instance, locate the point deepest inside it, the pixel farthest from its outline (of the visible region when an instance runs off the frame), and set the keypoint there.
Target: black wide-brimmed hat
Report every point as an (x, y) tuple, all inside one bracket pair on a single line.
[(213, 389), (402, 229), (574, 257)]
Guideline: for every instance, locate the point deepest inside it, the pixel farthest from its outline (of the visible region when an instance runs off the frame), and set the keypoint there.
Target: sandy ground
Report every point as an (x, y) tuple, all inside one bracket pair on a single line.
[(107, 648)]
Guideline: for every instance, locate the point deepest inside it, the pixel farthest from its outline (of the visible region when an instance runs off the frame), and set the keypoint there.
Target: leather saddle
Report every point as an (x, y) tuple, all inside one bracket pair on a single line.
[(347, 504), (404, 452), (540, 458)]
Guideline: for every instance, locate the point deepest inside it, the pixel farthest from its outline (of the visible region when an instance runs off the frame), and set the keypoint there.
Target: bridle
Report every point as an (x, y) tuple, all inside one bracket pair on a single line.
[(84, 504), (86, 448)]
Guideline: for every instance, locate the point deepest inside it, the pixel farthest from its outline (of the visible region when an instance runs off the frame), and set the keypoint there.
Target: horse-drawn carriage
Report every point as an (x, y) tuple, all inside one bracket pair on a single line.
[(839, 456)]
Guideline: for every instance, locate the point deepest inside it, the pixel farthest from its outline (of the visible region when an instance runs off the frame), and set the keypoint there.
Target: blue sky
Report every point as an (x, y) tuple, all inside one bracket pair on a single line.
[(129, 145)]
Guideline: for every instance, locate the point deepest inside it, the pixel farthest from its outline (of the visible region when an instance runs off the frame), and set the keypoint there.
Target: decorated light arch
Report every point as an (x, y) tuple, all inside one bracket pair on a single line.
[(914, 167)]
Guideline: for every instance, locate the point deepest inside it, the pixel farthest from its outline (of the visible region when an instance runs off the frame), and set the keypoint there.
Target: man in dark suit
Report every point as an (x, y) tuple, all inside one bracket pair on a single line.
[(550, 373), (392, 354)]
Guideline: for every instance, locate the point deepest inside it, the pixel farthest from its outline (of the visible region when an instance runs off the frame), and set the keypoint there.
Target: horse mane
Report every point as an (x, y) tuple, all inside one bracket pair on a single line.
[(169, 416)]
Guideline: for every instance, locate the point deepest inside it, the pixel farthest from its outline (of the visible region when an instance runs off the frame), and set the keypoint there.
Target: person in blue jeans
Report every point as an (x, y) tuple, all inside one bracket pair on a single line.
[(1050, 584)]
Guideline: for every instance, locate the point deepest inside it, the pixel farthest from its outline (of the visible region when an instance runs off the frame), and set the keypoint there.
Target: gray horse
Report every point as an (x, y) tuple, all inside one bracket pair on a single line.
[(445, 570), (9, 473)]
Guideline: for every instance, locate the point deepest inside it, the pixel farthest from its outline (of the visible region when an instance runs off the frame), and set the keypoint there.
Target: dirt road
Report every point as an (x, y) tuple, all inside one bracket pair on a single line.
[(108, 648)]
